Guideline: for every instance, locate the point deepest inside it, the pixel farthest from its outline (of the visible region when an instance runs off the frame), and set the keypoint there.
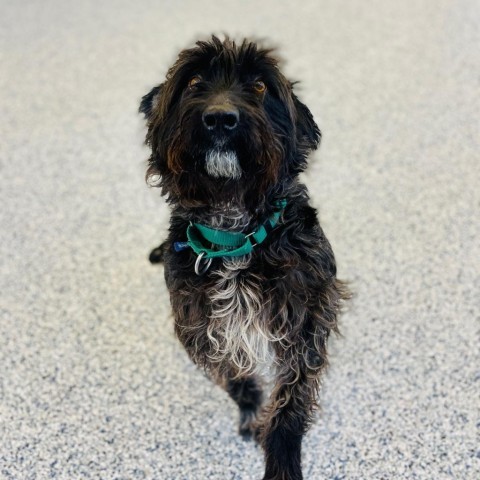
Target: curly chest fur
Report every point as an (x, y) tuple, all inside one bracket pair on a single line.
[(246, 312), (238, 319)]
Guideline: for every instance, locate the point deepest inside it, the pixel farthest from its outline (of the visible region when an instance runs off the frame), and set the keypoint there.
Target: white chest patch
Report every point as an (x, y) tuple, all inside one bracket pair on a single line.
[(237, 327)]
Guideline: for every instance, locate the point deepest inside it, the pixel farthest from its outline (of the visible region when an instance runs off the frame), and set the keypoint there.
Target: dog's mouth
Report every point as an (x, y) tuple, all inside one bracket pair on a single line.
[(222, 163)]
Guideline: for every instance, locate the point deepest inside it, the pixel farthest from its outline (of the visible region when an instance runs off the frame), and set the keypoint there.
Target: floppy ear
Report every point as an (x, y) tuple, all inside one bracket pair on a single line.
[(307, 130), (150, 100)]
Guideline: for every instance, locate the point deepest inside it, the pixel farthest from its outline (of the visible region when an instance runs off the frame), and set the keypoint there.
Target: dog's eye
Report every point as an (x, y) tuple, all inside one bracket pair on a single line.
[(259, 86), (194, 81)]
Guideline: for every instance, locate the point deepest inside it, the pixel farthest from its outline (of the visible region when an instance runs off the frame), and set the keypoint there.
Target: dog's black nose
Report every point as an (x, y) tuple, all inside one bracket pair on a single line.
[(220, 117)]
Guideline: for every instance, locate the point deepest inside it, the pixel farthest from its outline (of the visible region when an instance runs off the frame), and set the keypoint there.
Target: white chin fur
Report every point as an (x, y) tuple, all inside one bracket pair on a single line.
[(222, 164)]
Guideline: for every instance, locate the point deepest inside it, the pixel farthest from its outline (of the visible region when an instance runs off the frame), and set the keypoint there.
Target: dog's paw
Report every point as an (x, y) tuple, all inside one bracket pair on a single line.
[(248, 428)]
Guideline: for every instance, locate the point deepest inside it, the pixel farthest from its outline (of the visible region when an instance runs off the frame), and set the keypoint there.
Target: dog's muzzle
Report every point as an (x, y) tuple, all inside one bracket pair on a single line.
[(221, 119)]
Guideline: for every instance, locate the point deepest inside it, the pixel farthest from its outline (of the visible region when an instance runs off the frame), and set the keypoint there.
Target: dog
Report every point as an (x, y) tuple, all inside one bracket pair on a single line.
[(251, 275)]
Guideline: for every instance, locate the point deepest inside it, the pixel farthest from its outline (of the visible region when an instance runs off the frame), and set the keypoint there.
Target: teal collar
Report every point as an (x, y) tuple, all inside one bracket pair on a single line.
[(225, 243)]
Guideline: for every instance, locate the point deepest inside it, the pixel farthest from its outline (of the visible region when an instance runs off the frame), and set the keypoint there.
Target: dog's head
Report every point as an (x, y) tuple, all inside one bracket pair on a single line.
[(226, 123)]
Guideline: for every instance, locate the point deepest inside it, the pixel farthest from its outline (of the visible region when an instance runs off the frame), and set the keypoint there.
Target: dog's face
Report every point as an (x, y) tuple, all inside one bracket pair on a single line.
[(226, 123)]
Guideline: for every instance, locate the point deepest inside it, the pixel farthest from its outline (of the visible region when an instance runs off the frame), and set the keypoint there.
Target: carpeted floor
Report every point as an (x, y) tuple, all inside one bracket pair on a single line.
[(93, 384)]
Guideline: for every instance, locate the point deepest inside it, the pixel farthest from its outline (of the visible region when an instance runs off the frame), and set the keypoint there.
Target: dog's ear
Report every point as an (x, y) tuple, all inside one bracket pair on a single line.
[(150, 100), (307, 130)]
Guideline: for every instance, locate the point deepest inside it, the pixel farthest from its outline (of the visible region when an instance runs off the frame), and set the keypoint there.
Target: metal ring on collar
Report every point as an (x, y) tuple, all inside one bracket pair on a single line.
[(199, 271)]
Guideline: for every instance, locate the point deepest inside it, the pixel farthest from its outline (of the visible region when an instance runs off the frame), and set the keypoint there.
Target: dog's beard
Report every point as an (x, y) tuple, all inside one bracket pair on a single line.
[(220, 163)]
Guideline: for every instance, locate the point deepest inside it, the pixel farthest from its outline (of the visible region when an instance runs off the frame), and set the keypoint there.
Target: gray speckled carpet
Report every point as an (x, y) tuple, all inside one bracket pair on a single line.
[(93, 384)]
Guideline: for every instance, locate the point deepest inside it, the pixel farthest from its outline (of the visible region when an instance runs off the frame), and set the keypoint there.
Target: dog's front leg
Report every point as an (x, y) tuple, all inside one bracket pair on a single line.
[(247, 393), (287, 417)]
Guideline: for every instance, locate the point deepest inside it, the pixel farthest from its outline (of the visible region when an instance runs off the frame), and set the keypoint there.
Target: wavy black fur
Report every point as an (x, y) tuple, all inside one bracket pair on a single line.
[(270, 313)]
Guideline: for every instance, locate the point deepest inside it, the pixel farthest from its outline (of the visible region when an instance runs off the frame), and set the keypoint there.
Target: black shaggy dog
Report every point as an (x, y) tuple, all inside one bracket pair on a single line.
[(252, 278)]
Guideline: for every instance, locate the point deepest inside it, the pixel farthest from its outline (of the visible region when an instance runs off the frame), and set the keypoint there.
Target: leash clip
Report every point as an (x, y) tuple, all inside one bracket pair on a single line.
[(205, 268)]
